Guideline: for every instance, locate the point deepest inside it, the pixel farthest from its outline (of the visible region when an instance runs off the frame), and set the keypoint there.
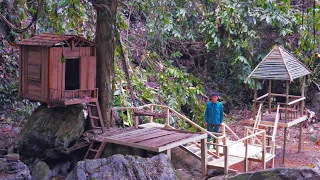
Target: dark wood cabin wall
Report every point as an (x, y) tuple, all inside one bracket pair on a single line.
[(33, 73)]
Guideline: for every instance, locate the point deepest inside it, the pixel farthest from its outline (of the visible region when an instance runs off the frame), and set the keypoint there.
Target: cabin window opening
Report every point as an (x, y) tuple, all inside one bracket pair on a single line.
[(72, 74)]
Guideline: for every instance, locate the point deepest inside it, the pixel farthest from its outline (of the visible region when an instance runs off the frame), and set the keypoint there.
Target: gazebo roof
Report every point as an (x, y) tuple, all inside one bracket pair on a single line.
[(279, 64)]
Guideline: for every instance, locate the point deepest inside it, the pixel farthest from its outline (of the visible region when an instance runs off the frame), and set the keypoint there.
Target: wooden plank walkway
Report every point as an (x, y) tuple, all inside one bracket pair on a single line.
[(153, 139), (268, 119)]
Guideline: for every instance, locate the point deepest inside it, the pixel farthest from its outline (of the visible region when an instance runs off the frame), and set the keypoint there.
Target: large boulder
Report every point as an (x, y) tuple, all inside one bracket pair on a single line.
[(48, 131), (124, 167), (280, 173), (13, 170), (315, 104), (41, 171)]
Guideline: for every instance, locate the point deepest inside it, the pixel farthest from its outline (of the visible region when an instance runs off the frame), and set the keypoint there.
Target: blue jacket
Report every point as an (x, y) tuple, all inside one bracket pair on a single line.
[(214, 113)]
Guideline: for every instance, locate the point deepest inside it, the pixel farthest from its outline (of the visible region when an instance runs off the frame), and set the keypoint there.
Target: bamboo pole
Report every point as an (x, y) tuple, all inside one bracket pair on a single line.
[(269, 95), (301, 111), (254, 99), (285, 120)]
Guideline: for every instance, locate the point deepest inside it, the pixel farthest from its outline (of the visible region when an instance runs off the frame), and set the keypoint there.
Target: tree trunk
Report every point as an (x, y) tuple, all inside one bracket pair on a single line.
[(105, 31)]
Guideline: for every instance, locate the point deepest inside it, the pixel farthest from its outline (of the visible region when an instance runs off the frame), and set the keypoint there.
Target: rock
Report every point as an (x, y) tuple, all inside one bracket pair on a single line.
[(41, 171), (315, 104), (12, 157), (61, 168), (280, 173), (3, 152), (124, 167), (49, 130), (13, 170)]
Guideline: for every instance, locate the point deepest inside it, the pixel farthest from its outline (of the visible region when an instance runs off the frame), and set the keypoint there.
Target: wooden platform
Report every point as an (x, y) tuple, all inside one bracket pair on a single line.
[(152, 139), (268, 119)]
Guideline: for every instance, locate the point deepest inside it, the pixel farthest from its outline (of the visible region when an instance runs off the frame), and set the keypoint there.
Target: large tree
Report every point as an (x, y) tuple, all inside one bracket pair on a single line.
[(105, 34)]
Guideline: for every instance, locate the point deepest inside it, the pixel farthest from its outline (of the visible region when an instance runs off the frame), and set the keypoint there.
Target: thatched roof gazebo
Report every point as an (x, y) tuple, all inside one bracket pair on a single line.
[(279, 64)]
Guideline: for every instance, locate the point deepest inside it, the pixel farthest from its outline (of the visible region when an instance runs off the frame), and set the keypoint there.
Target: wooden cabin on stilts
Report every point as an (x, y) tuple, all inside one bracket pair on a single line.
[(60, 70), (280, 65)]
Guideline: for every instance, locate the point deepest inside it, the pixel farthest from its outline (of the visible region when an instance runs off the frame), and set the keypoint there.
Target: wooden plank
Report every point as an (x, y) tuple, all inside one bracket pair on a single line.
[(146, 137), (33, 60), (157, 142), (45, 79), (151, 125), (183, 141), (297, 121), (151, 117), (133, 133), (204, 158), (83, 72), (36, 54), (140, 134), (25, 70), (135, 145)]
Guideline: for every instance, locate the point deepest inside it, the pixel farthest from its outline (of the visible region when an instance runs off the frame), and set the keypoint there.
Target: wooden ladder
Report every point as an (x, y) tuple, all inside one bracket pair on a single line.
[(96, 121), (95, 150)]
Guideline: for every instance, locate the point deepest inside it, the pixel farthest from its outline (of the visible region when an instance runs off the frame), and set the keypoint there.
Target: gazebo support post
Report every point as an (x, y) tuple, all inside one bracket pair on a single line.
[(254, 99), (269, 95), (301, 111), (285, 120)]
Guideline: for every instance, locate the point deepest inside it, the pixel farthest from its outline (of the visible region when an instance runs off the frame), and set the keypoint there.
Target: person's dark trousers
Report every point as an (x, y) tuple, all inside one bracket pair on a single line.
[(213, 128)]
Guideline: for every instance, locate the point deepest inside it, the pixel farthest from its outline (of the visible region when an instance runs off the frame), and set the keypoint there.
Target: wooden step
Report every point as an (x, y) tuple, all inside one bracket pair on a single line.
[(94, 150), (92, 105)]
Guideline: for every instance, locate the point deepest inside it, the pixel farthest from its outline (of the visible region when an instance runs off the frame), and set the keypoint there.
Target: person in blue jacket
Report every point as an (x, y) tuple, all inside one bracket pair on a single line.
[(213, 114)]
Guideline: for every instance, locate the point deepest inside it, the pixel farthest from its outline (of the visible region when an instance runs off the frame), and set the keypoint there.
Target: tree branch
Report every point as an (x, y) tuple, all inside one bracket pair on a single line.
[(101, 7)]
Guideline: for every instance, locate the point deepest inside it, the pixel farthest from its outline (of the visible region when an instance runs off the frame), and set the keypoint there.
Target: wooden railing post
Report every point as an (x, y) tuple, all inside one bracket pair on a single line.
[(226, 154), (168, 116), (204, 158), (151, 117), (246, 151), (264, 150)]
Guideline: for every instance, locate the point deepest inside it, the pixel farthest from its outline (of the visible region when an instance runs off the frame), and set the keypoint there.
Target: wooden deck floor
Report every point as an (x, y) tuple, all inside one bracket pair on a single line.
[(153, 139), (269, 119)]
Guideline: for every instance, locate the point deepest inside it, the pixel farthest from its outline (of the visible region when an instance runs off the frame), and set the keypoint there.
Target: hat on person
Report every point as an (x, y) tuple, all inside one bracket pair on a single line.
[(214, 93)]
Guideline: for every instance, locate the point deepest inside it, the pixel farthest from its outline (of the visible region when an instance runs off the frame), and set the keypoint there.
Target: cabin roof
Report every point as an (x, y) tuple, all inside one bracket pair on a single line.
[(49, 40), (279, 64)]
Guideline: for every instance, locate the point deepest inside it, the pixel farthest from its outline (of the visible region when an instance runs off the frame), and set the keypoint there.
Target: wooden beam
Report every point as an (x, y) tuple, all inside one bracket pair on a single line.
[(269, 95), (301, 112), (254, 99), (204, 158), (264, 150)]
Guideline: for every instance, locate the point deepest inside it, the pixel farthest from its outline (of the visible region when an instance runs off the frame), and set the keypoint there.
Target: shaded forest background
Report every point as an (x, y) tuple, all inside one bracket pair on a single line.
[(177, 51)]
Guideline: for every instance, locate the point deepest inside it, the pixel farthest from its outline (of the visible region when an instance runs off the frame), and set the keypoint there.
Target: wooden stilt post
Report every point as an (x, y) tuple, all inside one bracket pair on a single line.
[(269, 96), (204, 159), (246, 151), (301, 112), (169, 153), (254, 99), (285, 119)]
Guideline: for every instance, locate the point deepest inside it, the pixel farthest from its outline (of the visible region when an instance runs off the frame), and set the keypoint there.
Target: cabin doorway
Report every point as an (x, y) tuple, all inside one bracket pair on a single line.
[(72, 74)]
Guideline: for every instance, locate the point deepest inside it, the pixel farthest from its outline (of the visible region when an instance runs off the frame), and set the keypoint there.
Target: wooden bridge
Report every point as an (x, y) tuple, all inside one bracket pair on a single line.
[(165, 134)]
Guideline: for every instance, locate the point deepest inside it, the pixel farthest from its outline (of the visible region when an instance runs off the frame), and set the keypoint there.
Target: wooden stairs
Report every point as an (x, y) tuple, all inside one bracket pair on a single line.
[(95, 150), (94, 113), (96, 120)]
